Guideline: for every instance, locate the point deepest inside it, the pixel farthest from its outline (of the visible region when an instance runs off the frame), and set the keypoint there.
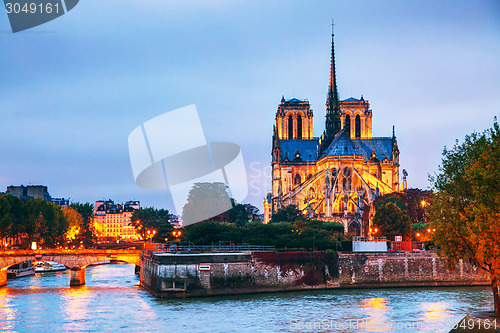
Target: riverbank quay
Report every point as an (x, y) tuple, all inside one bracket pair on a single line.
[(210, 274)]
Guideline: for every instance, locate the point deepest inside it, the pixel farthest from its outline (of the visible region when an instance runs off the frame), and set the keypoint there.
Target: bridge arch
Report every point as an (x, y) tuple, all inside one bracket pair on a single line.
[(76, 260)]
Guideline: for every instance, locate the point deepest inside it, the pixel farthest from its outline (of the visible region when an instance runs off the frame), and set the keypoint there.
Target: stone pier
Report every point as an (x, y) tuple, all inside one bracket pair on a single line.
[(77, 276), (3, 276)]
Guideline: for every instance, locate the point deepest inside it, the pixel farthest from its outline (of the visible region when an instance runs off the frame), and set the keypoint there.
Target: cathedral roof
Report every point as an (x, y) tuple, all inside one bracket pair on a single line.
[(306, 149), (343, 145), (294, 101), (382, 147)]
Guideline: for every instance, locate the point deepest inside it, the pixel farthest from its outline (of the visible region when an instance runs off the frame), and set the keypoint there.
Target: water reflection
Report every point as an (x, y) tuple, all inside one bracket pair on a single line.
[(111, 301), (7, 311), (376, 310), (75, 307), (435, 313)]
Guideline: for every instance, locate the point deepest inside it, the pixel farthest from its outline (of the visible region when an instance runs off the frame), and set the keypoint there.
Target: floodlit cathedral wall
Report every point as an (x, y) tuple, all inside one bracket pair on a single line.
[(337, 176)]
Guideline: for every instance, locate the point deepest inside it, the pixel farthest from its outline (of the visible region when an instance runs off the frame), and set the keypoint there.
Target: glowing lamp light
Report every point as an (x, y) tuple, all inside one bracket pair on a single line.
[(418, 234), (429, 230), (177, 233)]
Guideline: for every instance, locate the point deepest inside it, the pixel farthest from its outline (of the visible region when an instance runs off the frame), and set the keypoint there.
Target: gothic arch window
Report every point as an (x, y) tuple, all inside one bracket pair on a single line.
[(290, 127), (309, 176), (347, 124), (299, 127), (354, 228), (297, 179), (357, 126), (341, 204), (334, 175), (347, 179)]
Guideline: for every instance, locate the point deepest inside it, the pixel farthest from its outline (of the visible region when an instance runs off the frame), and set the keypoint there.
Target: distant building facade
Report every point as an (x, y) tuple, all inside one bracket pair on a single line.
[(112, 220), (36, 192), (337, 176)]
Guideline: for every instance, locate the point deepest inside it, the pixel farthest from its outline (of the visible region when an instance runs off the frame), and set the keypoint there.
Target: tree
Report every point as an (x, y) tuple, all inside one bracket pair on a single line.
[(240, 214), (205, 200), (75, 226), (87, 234), (466, 206), (151, 223), (18, 215), (289, 213), (45, 222), (6, 219), (392, 220)]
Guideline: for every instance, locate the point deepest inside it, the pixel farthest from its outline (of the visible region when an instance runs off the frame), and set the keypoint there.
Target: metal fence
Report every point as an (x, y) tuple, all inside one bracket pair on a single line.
[(226, 247), (369, 239)]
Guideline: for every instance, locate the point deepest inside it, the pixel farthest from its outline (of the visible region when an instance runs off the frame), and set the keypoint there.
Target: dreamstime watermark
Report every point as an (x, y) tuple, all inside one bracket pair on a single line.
[(171, 149), (26, 14)]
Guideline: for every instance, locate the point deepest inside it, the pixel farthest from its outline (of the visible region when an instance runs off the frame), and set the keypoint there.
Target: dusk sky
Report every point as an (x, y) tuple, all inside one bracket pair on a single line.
[(72, 90)]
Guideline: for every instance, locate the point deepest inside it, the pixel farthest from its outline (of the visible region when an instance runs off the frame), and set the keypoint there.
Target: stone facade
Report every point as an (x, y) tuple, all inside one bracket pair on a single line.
[(113, 221), (337, 176)]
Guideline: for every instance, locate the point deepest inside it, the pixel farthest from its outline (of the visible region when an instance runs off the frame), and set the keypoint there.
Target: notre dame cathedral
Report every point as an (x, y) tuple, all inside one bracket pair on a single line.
[(337, 176)]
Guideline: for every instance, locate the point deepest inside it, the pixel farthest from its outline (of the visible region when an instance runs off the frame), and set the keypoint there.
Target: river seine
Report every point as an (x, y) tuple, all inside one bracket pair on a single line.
[(111, 300)]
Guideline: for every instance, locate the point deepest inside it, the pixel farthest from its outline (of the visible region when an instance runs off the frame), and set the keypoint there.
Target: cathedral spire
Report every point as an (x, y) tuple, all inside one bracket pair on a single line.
[(332, 102), (332, 89)]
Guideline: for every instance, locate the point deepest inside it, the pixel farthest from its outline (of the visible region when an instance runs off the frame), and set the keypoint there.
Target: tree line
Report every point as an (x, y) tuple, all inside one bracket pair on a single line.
[(47, 224)]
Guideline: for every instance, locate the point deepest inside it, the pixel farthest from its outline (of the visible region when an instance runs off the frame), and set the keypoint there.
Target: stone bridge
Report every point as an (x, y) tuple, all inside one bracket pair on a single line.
[(76, 260)]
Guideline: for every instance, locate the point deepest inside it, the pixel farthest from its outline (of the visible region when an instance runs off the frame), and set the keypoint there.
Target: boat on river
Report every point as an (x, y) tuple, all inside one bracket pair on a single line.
[(49, 266), (19, 270)]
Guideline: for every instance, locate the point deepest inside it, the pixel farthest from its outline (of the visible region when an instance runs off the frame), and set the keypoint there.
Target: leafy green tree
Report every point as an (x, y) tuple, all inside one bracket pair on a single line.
[(392, 220), (18, 216), (86, 234), (6, 219), (413, 200), (466, 206), (241, 214), (151, 223), (289, 213), (210, 232), (205, 200), (46, 223), (75, 226)]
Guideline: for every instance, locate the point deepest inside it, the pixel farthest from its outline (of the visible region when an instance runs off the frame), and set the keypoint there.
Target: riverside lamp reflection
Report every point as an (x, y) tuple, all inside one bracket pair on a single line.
[(170, 150)]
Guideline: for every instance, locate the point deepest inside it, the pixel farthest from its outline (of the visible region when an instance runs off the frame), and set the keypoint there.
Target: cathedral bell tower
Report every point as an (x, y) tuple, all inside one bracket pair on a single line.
[(294, 120)]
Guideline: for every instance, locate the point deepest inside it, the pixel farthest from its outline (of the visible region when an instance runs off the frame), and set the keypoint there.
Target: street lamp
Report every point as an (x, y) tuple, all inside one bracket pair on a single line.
[(177, 233)]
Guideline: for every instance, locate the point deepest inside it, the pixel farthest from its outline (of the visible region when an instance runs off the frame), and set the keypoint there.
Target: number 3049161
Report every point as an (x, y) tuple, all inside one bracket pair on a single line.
[(31, 8)]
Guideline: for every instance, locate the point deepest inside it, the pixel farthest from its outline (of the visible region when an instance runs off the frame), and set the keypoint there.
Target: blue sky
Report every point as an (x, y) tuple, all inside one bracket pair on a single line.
[(72, 90)]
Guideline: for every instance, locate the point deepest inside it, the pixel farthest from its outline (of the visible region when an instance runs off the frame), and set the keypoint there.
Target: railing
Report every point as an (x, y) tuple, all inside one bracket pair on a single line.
[(407, 246), (214, 248), (369, 239)]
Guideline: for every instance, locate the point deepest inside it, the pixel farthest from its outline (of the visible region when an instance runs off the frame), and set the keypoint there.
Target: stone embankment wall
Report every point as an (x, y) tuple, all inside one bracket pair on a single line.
[(185, 275), (180, 275), (400, 269)]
